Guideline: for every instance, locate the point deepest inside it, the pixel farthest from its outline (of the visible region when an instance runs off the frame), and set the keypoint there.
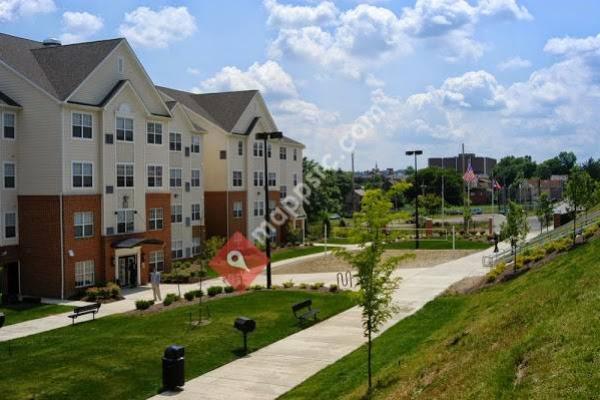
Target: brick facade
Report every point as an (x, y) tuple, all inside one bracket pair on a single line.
[(218, 208)]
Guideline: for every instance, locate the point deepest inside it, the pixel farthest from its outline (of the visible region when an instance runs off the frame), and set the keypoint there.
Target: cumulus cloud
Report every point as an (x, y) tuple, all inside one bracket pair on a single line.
[(79, 26), (514, 63), (285, 15), (10, 10), (504, 9), (158, 29), (573, 46)]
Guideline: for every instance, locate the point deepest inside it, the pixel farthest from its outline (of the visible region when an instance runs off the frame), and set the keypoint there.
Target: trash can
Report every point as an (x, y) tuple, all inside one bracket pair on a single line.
[(173, 371)]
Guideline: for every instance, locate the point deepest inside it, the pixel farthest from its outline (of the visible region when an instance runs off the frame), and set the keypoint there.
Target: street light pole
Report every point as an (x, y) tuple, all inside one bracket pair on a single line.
[(265, 136), (416, 153)]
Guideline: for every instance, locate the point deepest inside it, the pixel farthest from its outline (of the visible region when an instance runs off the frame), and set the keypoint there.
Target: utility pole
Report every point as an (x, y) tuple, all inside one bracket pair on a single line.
[(416, 153), (352, 184)]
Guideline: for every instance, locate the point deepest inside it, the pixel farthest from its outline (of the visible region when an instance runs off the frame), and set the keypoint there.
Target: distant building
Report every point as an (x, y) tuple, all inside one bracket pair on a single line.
[(481, 165)]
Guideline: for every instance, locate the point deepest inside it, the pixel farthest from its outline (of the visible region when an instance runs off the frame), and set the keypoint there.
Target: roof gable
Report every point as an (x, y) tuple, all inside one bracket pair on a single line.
[(227, 107)]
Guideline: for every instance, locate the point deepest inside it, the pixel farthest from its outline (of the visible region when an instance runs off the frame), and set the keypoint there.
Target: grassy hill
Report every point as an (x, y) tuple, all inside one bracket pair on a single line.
[(536, 337)]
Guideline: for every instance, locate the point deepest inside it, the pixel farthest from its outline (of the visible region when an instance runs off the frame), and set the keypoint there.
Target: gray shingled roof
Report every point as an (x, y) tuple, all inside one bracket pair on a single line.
[(59, 70), (187, 99)]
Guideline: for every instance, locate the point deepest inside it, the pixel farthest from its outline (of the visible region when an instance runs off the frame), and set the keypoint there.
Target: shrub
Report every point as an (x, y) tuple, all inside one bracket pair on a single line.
[(590, 231), (103, 292), (317, 285), (257, 287), (114, 289), (228, 289), (198, 293), (143, 304), (167, 301), (214, 290), (303, 285), (92, 293), (333, 287), (495, 272), (189, 296), (289, 284), (171, 298)]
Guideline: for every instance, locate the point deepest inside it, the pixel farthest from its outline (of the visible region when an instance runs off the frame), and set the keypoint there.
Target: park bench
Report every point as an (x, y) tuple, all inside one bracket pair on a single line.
[(90, 309), (303, 311)]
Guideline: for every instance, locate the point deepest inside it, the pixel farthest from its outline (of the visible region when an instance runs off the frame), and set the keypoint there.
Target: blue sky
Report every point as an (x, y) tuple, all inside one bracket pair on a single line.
[(502, 76)]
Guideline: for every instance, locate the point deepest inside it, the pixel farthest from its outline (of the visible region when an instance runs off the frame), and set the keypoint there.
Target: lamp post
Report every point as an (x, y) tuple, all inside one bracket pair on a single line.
[(265, 136), (416, 153)]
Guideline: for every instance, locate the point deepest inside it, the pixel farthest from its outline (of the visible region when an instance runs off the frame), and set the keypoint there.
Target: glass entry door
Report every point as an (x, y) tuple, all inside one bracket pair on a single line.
[(128, 271)]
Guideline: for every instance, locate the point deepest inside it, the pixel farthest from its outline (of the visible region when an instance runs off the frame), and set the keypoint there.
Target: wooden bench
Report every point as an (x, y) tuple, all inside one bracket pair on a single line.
[(303, 311), (79, 311)]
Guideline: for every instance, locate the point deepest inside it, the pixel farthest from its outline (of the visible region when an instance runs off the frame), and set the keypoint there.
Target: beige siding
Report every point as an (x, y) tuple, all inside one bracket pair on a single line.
[(8, 197)]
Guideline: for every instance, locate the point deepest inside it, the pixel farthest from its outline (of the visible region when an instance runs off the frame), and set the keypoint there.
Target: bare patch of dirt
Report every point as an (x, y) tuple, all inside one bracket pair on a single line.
[(330, 263), (467, 285)]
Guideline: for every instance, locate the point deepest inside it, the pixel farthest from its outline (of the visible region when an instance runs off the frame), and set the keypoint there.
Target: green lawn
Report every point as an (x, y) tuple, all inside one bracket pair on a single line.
[(292, 252), (536, 337), (27, 311), (439, 245), (119, 357)]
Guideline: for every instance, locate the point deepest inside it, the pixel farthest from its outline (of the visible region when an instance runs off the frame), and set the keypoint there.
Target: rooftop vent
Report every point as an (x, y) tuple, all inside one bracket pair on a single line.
[(51, 42)]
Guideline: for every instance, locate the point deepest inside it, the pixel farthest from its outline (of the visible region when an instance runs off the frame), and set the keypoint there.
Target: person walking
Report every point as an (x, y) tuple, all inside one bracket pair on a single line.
[(155, 281)]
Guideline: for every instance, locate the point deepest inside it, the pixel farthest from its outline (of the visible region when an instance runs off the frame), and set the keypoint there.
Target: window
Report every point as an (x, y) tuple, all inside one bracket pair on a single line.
[(84, 273), (240, 148), (258, 149), (157, 260), (295, 179), (155, 176), (154, 132), (223, 155), (196, 214), (259, 208), (120, 65), (282, 192), (82, 175), (125, 221), (272, 179), (271, 206), (176, 249), (82, 126), (269, 150), (175, 177), (9, 125), (195, 178), (176, 214), (295, 156), (124, 175), (195, 144), (124, 129), (259, 178), (156, 219), (238, 209), (196, 246), (9, 175), (10, 225), (175, 141), (237, 178), (84, 224), (283, 153)]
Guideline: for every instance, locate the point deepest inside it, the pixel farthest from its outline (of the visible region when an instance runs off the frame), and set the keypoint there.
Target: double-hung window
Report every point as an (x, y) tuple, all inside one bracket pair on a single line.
[(84, 273), (155, 175), (259, 208), (175, 177), (195, 178), (257, 149), (282, 192), (295, 154), (196, 246), (175, 141), (176, 249), (157, 260), (196, 213), (283, 153), (82, 174), (8, 124), (154, 132), (125, 220), (155, 221), (272, 179), (240, 146), (176, 214), (295, 179), (10, 175), (124, 129), (124, 175), (269, 150), (10, 225), (238, 209), (237, 178), (82, 126), (84, 224), (195, 144), (259, 178)]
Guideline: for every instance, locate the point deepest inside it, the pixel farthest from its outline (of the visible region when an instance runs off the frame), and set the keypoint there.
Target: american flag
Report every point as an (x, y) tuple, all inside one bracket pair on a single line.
[(496, 185), (470, 176)]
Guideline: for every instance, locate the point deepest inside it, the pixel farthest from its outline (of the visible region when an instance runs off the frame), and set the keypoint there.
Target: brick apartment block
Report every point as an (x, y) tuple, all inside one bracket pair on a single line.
[(106, 176)]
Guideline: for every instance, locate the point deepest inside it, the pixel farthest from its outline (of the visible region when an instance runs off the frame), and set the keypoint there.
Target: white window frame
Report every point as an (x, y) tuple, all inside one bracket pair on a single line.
[(87, 221), (195, 144), (272, 179), (196, 180), (237, 181), (240, 147), (196, 246), (14, 176), (258, 149), (283, 153), (177, 143), (177, 249), (238, 209), (179, 207), (73, 125), (3, 123), (125, 130), (154, 134), (85, 273), (154, 175), (196, 212), (82, 175), (156, 259), (269, 150), (295, 154), (178, 181), (282, 191), (155, 218), (295, 180), (125, 166), (259, 208), (6, 214), (259, 179), (126, 212)]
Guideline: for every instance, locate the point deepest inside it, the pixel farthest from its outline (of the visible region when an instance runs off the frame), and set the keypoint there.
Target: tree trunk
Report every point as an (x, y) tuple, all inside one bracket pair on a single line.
[(574, 226), (369, 357)]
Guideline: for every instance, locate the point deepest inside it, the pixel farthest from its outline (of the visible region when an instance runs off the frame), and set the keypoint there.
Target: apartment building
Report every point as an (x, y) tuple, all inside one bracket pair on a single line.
[(103, 180), (234, 197)]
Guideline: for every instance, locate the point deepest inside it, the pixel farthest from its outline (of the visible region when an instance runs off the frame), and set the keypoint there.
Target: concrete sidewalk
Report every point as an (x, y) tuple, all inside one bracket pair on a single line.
[(272, 371)]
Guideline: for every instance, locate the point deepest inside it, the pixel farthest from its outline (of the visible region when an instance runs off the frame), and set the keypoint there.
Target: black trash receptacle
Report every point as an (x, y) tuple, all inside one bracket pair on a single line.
[(173, 367)]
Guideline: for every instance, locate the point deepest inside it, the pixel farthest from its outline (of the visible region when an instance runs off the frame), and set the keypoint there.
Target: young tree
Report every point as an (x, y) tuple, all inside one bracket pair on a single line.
[(431, 203), (397, 193), (516, 228), (373, 273), (579, 191), (544, 211)]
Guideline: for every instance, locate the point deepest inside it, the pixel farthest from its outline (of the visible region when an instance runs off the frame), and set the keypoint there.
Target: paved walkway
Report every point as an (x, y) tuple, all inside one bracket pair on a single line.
[(272, 371)]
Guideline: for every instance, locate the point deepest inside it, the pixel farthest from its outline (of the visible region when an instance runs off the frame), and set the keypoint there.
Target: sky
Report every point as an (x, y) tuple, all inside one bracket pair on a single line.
[(518, 77)]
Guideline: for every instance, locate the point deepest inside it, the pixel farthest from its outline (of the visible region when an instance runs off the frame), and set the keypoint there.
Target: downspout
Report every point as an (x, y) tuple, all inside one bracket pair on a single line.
[(62, 251)]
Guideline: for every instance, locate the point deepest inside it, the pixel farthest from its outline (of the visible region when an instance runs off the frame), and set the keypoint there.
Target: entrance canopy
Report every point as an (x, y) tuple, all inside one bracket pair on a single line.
[(130, 243)]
